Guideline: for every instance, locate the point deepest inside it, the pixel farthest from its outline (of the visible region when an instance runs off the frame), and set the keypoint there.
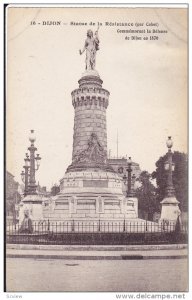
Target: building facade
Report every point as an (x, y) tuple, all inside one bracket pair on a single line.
[(120, 165), (12, 197)]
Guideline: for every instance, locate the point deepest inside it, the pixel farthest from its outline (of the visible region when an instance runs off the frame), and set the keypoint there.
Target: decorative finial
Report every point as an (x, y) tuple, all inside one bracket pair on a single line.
[(169, 142), (32, 137)]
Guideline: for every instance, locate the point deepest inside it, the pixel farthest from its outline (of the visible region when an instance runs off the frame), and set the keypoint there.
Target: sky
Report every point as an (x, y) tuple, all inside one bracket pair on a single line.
[(147, 81)]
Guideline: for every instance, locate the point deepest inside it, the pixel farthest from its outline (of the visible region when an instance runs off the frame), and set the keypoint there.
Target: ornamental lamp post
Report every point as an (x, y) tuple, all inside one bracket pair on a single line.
[(125, 179), (38, 161), (169, 167), (32, 164), (32, 149), (133, 185), (170, 205), (32, 202), (25, 175), (130, 210), (129, 170), (26, 167)]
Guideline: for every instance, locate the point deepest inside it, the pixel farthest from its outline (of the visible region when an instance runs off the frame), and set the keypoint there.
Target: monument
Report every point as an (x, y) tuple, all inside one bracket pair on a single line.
[(90, 188)]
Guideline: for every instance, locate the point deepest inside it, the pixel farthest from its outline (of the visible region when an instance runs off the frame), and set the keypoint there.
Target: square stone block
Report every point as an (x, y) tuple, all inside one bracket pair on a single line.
[(92, 215), (82, 211), (118, 216), (112, 211), (77, 216), (112, 207), (106, 216), (56, 216), (64, 216), (62, 211), (82, 206)]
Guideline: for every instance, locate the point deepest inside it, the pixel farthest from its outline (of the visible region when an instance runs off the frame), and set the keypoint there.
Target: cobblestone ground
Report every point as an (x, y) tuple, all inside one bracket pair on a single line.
[(82, 275)]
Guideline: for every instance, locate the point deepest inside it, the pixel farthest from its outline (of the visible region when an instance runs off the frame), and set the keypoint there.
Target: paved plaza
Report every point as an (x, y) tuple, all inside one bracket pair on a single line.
[(96, 275)]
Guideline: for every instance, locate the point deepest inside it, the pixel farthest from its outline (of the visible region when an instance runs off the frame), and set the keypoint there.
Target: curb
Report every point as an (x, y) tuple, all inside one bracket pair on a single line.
[(98, 257), (96, 247)]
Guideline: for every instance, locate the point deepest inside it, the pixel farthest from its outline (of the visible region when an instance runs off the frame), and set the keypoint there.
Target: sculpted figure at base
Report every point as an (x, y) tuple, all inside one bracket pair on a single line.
[(91, 46), (26, 226), (93, 153)]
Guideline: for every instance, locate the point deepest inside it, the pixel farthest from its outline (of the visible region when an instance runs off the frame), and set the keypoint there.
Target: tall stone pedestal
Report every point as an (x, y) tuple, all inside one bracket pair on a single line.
[(132, 203), (170, 209), (33, 205), (90, 189), (91, 195)]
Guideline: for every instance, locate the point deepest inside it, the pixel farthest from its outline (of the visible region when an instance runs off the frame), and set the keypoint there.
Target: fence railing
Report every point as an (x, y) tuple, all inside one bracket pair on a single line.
[(93, 226), (96, 232)]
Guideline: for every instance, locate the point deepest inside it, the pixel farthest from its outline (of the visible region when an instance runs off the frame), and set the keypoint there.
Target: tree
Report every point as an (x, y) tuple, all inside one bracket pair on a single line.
[(146, 195), (55, 190), (180, 178)]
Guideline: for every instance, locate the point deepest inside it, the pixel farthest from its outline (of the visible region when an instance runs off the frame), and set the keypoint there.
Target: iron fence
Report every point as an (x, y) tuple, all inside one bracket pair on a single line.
[(96, 232), (94, 226)]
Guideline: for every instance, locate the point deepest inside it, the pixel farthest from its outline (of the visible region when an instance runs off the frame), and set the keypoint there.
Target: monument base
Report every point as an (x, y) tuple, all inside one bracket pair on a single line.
[(90, 195), (132, 207), (33, 204), (170, 209)]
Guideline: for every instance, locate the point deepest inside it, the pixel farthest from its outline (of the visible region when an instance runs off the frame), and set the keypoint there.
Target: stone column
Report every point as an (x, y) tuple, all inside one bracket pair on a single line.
[(90, 102)]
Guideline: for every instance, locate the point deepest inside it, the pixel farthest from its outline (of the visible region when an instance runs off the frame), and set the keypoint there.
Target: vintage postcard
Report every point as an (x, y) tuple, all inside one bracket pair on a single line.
[(96, 148)]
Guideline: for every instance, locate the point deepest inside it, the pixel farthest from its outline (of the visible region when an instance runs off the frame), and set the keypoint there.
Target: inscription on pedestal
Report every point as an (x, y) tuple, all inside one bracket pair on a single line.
[(99, 205), (95, 183), (72, 204)]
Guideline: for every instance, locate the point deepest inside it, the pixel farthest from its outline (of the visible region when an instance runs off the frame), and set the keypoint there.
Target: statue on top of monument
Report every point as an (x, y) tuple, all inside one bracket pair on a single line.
[(91, 46)]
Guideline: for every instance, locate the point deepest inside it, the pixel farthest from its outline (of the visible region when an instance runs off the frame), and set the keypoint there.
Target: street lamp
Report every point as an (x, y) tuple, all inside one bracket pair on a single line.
[(27, 160), (133, 185), (38, 161), (32, 149), (169, 167), (32, 137), (32, 164), (125, 181), (129, 170), (26, 167), (25, 174)]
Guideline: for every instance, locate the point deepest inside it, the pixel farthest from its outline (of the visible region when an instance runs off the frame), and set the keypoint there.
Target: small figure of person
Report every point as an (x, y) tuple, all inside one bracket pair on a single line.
[(91, 46), (26, 226)]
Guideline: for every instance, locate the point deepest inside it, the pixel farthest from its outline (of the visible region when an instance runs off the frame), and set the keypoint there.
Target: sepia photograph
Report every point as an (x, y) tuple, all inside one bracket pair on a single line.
[(96, 145)]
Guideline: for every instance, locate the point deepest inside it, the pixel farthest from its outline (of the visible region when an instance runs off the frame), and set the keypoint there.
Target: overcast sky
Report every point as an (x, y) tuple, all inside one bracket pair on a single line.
[(147, 81)]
